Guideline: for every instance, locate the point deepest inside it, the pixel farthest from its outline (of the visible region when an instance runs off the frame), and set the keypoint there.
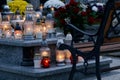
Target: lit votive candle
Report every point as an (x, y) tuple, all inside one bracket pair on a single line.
[(45, 54), (67, 56), (41, 7), (44, 30), (80, 59), (45, 62), (37, 32), (28, 28), (29, 31), (52, 10), (8, 34), (60, 57), (18, 34)]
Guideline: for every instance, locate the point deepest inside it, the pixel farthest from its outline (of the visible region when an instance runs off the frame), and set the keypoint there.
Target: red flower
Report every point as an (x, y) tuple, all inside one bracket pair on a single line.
[(83, 13), (67, 6), (91, 20), (62, 10), (73, 3), (57, 14), (76, 10), (62, 21)]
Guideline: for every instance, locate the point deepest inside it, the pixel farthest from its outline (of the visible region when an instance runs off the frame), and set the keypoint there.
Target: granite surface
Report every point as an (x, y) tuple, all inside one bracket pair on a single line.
[(16, 72), (25, 43)]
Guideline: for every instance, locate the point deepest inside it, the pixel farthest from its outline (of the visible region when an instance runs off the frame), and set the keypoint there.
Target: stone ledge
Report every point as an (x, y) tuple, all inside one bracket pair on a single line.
[(27, 43), (44, 74)]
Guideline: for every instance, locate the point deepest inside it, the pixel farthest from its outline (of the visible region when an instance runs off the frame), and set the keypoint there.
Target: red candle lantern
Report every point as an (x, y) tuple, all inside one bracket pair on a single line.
[(45, 62)]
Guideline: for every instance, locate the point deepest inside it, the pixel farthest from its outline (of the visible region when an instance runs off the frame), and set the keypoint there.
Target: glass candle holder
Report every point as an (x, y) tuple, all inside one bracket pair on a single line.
[(6, 25), (41, 7), (37, 61), (45, 62), (44, 29), (38, 32), (67, 56), (60, 57), (28, 28), (8, 34), (45, 52), (18, 34), (80, 59)]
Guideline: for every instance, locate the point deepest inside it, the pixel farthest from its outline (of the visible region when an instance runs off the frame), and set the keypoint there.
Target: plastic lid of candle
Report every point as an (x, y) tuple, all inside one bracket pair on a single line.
[(17, 27)]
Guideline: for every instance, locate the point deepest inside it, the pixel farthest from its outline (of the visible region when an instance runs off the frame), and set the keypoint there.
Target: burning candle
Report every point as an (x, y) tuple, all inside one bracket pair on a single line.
[(18, 34), (41, 7), (60, 57), (38, 32), (45, 54), (80, 59), (6, 26), (44, 29), (28, 29), (8, 33), (52, 10), (67, 56), (45, 62)]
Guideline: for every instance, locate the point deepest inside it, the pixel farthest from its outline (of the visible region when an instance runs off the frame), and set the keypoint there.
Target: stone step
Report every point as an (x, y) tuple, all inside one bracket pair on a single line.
[(16, 72)]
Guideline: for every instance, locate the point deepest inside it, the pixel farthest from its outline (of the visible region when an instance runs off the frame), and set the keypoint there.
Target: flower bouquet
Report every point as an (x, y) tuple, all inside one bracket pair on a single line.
[(78, 14)]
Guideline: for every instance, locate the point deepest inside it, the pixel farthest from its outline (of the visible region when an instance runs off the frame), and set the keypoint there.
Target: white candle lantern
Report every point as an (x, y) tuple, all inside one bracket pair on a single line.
[(28, 28), (44, 50), (49, 22), (60, 57), (80, 59), (6, 26), (41, 7), (29, 13), (37, 30), (8, 33), (44, 29), (67, 56), (18, 32), (68, 39), (37, 61), (6, 14), (17, 15), (38, 14), (52, 10), (7, 29)]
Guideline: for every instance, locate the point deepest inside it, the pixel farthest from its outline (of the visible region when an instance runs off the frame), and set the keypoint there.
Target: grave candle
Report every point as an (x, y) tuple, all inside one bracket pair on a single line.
[(8, 33), (28, 28), (60, 57), (18, 32), (45, 62), (67, 56)]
